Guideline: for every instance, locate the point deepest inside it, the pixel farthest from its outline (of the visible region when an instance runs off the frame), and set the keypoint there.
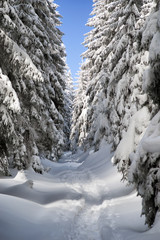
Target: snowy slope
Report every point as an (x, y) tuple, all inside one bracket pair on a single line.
[(74, 200)]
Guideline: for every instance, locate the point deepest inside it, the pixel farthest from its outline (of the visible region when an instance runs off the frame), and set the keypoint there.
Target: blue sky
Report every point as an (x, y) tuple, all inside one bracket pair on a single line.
[(75, 14)]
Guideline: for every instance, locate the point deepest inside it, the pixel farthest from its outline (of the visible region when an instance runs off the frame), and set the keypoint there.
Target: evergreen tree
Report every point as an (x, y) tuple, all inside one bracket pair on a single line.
[(130, 107), (89, 85), (145, 169), (32, 80), (69, 96), (77, 135)]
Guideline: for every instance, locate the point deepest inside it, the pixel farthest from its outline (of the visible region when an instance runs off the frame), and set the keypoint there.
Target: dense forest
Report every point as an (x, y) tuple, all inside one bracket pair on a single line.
[(117, 100)]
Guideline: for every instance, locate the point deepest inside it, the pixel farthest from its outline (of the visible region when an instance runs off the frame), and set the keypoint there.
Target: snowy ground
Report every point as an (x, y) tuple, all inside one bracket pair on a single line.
[(75, 200)]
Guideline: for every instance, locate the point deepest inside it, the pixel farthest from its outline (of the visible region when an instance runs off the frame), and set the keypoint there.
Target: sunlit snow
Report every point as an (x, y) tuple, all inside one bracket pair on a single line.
[(75, 199)]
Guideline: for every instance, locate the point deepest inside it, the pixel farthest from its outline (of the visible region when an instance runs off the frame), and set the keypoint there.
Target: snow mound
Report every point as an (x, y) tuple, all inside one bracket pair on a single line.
[(81, 199)]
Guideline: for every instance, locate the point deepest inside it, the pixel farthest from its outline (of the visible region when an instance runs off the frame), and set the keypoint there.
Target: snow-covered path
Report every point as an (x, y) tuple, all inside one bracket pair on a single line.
[(75, 200)]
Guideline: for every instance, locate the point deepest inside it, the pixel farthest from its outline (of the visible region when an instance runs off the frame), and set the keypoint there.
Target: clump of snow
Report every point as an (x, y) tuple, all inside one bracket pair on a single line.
[(154, 50), (150, 141), (131, 138), (8, 95), (21, 176), (151, 29), (148, 76), (36, 164)]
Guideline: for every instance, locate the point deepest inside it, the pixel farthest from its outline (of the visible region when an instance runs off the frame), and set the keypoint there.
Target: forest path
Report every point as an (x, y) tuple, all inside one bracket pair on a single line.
[(79, 198), (96, 218)]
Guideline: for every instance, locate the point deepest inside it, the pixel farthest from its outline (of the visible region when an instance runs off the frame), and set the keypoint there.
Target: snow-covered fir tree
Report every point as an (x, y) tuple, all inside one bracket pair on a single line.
[(130, 106), (79, 122), (88, 91), (32, 84), (69, 96), (145, 161)]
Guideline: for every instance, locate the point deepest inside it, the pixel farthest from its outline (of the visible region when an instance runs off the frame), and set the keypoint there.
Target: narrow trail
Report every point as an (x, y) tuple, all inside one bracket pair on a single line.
[(97, 206), (85, 222)]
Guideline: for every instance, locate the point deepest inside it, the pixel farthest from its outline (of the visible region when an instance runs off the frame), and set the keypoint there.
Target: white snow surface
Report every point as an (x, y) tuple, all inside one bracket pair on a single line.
[(79, 198)]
